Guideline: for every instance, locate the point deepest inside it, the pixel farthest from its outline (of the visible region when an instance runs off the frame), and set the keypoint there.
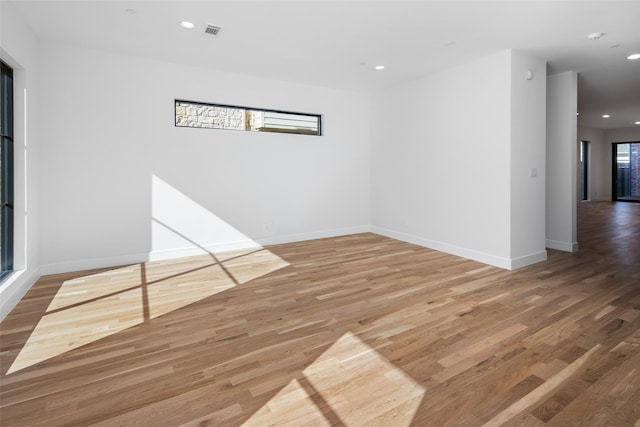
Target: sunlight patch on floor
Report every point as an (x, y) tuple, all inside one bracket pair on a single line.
[(331, 391), (92, 307), (61, 331), (88, 308), (292, 406)]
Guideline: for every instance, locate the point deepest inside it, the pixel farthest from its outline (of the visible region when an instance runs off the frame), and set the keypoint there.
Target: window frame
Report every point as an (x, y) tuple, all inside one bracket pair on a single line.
[(319, 131), (7, 174)]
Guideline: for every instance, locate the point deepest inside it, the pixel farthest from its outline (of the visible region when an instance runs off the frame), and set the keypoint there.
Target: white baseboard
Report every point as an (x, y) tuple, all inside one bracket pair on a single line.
[(597, 199), (214, 248), (445, 247), (562, 246), (526, 260), (89, 264), (15, 287), (485, 258), (92, 263), (300, 237), (251, 244)]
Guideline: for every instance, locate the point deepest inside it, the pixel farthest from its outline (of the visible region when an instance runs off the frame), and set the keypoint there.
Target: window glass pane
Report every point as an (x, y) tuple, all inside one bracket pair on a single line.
[(6, 102), (214, 116), (6, 170)]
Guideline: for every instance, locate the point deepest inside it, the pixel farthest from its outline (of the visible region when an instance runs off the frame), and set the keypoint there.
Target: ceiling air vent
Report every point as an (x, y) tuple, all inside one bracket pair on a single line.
[(212, 29)]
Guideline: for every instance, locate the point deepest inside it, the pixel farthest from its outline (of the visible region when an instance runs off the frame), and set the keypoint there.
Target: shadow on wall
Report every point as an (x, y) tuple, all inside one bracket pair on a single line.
[(113, 300), (182, 227)]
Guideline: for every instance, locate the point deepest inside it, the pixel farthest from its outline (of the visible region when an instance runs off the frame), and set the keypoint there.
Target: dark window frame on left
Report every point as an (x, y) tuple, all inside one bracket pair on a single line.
[(6, 170)]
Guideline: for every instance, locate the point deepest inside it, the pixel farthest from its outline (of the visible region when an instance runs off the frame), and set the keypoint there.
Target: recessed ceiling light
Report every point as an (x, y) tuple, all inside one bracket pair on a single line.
[(187, 25), (637, 123), (605, 116), (577, 114), (634, 56), (379, 67), (595, 36)]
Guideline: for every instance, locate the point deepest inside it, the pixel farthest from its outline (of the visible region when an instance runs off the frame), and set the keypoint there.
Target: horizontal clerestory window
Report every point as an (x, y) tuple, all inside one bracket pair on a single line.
[(216, 116)]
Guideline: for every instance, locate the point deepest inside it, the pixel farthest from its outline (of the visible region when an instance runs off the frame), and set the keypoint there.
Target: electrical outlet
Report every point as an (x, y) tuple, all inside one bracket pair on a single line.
[(268, 228)]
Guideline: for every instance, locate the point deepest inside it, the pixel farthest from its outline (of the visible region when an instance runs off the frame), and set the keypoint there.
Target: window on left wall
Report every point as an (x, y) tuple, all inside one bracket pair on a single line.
[(6, 170), (219, 116)]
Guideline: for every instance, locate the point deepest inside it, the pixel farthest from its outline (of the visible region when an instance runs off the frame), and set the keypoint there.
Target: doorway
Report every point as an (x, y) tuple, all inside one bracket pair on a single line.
[(626, 171), (584, 170)]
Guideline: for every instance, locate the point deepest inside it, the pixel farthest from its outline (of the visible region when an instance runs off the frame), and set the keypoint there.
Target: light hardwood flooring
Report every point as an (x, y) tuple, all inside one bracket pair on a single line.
[(355, 330)]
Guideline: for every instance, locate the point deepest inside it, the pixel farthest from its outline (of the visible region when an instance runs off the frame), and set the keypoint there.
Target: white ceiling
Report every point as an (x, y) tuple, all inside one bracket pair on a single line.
[(337, 43)]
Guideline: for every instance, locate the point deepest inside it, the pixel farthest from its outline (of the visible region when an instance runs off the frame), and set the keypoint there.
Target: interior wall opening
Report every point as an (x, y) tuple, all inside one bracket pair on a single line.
[(626, 171), (584, 170)]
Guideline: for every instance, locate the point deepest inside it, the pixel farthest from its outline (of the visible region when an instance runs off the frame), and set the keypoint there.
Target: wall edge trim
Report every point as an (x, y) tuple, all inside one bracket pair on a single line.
[(562, 246), (467, 253), (15, 288), (137, 258)]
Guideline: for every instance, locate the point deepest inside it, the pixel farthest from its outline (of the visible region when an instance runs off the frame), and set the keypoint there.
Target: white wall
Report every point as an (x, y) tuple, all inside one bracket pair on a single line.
[(449, 167), (631, 134), (19, 49), (600, 163), (442, 157), (114, 157), (527, 156), (561, 156)]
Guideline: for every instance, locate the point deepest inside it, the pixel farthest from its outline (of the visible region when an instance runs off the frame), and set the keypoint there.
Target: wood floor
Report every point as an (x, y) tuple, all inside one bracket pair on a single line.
[(356, 330)]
